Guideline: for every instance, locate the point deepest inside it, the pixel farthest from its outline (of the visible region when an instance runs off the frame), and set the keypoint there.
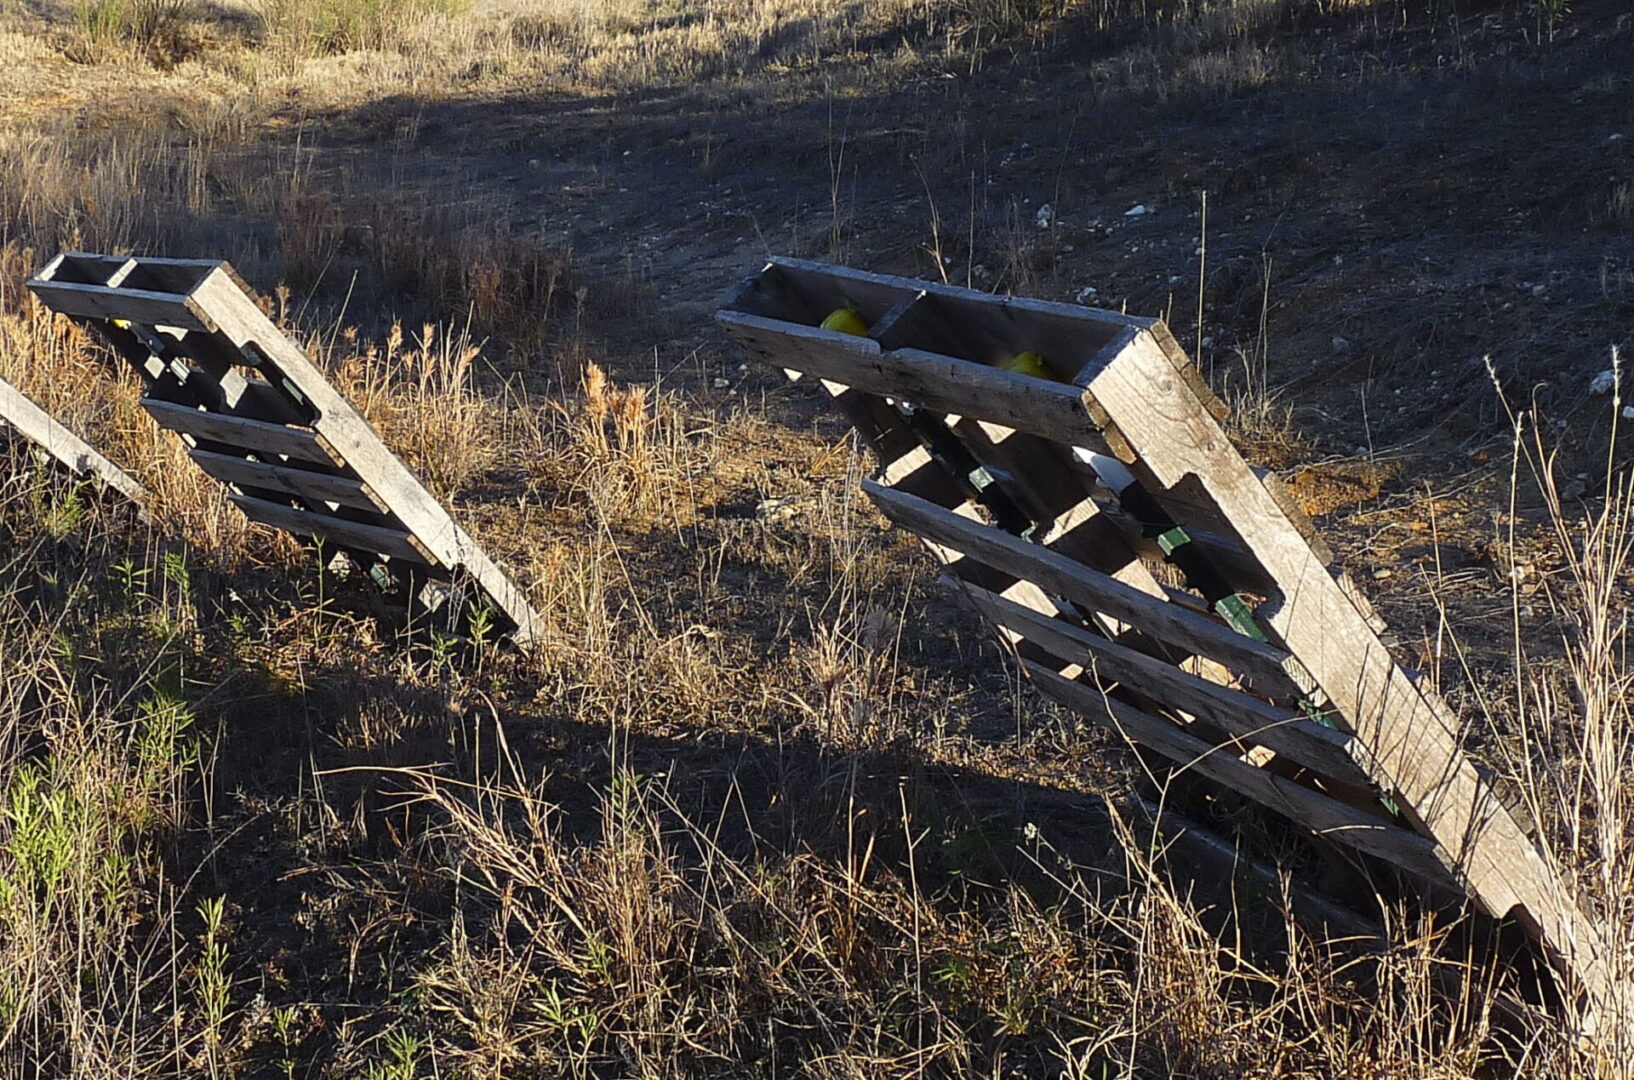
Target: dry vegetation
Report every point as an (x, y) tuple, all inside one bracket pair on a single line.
[(763, 803)]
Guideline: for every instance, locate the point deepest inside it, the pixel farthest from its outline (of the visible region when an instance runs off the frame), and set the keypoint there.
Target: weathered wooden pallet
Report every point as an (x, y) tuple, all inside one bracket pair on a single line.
[(257, 415), (1151, 580), (71, 451)]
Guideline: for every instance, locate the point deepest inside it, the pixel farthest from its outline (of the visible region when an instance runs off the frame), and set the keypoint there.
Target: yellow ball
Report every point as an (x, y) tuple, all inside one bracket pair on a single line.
[(1028, 363), (846, 321)]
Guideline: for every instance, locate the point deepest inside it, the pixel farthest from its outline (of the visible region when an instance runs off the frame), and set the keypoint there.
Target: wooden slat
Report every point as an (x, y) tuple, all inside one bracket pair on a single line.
[(931, 381), (318, 486), (1303, 741), (351, 534), (41, 428), (1195, 633), (1328, 818), (257, 435), (131, 305), (1413, 741)]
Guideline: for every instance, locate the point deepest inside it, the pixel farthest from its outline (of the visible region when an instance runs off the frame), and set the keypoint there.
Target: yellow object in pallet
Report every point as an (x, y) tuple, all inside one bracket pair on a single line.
[(1030, 363), (846, 321)]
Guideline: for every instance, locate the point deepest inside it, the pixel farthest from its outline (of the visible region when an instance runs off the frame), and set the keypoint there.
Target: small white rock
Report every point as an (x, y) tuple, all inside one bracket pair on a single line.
[(1603, 382), (980, 272), (1340, 344), (1136, 211), (1086, 293), (721, 384), (772, 510), (1628, 412), (1045, 216)]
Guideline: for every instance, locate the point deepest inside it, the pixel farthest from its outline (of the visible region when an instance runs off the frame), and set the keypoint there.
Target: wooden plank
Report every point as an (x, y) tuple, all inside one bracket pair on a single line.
[(38, 426), (928, 380), (242, 322), (131, 305), (1415, 747), (1192, 631), (1328, 752), (318, 486), (351, 534), (806, 293), (1328, 818), (238, 431)]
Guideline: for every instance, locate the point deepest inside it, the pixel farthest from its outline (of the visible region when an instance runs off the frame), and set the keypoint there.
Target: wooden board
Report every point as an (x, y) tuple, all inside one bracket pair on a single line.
[(220, 372), (348, 534), (1196, 633), (254, 435), (1327, 817), (1284, 731), (40, 428), (1302, 645), (323, 487)]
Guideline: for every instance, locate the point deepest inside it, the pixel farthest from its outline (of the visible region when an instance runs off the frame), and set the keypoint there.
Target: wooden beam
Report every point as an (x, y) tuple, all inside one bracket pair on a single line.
[(1197, 634), (1327, 752), (928, 380), (1414, 745)]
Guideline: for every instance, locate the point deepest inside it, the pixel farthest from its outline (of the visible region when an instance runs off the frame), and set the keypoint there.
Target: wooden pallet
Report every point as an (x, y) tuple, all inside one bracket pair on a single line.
[(71, 451), (257, 415), (1151, 580)]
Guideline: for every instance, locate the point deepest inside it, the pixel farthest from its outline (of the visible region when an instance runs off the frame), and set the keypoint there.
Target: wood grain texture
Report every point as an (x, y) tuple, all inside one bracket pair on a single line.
[(928, 380), (352, 534), (132, 305), (1196, 633), (1322, 749)]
